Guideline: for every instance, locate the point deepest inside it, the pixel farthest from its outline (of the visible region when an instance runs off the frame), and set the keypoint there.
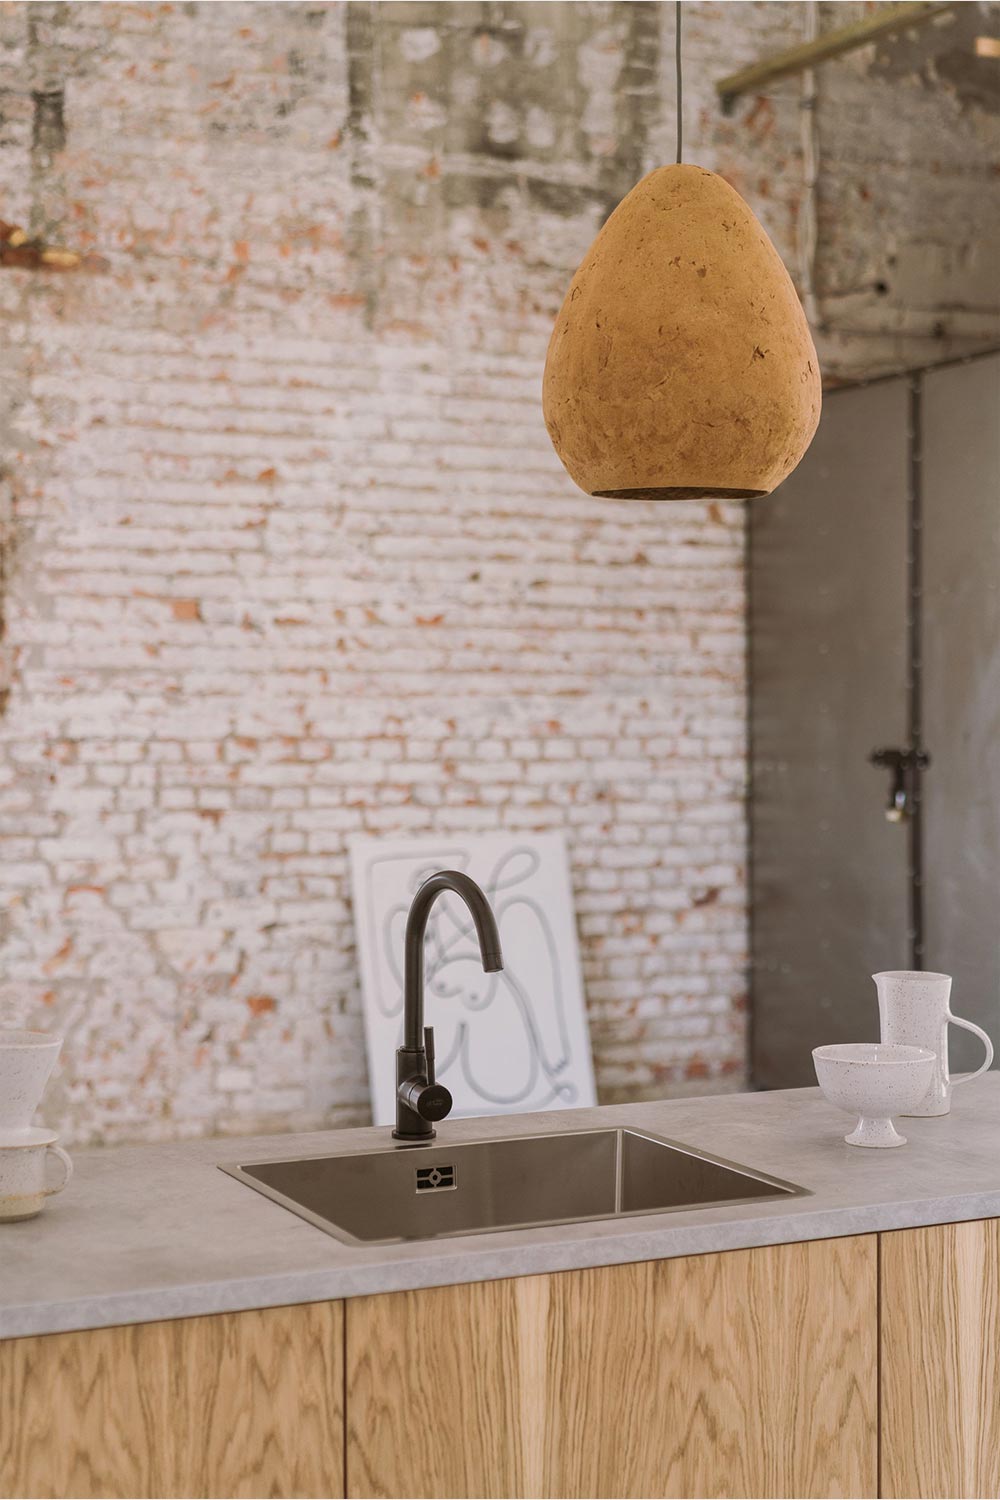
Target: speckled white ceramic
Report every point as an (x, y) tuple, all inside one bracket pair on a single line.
[(874, 1080), (23, 1156), (26, 1062), (914, 1009)]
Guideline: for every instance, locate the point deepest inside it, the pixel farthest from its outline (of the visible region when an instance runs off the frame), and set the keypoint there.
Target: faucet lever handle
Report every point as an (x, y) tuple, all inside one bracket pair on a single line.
[(429, 1052)]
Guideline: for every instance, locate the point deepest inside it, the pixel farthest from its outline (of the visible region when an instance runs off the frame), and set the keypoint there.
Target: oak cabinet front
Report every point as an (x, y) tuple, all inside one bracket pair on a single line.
[(940, 1336), (747, 1373), (238, 1404)]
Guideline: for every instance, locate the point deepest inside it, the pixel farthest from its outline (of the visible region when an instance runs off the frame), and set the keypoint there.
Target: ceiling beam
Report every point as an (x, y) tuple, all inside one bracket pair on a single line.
[(822, 48)]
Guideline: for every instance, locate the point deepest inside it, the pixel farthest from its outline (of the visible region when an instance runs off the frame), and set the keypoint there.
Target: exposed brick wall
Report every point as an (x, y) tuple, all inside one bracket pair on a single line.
[(294, 557)]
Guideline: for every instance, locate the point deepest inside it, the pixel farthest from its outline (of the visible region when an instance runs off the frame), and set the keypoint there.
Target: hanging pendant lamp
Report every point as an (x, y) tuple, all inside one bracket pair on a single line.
[(681, 364)]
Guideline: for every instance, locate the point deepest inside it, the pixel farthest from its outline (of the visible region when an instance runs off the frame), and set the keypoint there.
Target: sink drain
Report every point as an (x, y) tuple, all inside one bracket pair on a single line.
[(436, 1179)]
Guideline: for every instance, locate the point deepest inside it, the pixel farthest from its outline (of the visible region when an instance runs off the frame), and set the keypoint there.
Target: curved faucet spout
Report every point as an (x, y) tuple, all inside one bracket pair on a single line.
[(420, 1099), (416, 926)]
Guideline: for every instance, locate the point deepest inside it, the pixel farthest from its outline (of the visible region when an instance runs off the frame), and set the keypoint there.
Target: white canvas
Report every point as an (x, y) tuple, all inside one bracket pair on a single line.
[(506, 1042)]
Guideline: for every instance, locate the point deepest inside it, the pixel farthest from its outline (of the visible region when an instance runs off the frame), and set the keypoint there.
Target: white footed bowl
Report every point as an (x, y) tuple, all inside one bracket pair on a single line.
[(874, 1080)]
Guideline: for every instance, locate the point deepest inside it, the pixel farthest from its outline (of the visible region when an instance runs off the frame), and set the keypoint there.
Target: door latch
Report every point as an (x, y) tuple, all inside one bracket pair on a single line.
[(903, 765)]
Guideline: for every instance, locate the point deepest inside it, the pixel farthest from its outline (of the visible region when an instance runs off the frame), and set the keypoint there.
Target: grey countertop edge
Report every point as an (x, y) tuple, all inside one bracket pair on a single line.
[(336, 1283)]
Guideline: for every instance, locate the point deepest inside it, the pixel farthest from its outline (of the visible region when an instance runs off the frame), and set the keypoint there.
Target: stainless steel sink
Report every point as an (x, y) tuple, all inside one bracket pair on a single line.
[(425, 1192)]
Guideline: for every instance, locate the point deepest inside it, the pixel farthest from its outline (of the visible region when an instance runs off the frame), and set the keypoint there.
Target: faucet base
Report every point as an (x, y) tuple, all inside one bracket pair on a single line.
[(413, 1140)]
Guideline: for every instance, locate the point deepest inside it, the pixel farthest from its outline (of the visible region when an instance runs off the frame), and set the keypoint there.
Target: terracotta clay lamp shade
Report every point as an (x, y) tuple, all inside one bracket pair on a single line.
[(681, 364)]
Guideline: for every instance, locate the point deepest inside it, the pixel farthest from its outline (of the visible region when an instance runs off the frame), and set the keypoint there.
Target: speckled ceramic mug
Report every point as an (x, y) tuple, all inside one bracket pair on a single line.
[(23, 1158), (915, 1009), (26, 1062)]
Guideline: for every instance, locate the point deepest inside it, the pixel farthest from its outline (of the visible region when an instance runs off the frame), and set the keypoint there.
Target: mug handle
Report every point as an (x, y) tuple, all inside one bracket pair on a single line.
[(981, 1034), (67, 1169)]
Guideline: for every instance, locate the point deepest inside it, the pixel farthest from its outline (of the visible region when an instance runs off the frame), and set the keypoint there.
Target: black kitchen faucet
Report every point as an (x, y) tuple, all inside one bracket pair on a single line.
[(420, 1100)]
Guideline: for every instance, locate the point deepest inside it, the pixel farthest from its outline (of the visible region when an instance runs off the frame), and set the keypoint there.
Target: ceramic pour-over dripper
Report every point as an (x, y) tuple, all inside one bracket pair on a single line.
[(26, 1062)]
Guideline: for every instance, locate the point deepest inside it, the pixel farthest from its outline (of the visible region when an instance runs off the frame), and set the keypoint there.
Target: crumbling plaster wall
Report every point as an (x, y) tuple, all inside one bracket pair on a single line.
[(290, 556)]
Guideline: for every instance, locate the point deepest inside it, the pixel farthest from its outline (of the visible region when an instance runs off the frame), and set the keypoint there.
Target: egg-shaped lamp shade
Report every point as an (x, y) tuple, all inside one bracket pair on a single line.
[(681, 363)]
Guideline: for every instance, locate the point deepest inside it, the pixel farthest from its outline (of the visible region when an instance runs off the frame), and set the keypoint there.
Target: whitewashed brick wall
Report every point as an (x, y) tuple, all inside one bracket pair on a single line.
[(292, 558)]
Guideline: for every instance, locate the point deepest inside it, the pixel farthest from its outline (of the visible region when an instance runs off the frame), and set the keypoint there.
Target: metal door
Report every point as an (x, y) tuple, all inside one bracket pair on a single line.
[(961, 690), (828, 685)]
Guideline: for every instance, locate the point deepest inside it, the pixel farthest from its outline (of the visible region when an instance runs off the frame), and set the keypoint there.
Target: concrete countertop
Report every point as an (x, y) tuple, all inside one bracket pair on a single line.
[(151, 1232)]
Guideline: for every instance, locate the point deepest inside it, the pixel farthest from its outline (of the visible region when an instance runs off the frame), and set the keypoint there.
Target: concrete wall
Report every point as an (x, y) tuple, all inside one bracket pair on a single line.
[(289, 555)]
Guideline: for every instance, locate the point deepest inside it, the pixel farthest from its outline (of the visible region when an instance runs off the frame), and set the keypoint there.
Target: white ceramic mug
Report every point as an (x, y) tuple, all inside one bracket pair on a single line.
[(26, 1062), (23, 1158), (914, 1009)]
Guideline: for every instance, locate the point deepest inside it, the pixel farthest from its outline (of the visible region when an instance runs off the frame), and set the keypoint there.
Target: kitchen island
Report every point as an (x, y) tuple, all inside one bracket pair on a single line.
[(164, 1329)]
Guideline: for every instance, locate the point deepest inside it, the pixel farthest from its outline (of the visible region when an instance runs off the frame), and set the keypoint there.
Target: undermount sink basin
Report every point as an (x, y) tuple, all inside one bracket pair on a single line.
[(428, 1191)]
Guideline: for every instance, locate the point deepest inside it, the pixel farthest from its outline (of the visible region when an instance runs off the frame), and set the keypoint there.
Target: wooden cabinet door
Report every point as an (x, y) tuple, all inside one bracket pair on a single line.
[(940, 1359), (746, 1373), (247, 1403)]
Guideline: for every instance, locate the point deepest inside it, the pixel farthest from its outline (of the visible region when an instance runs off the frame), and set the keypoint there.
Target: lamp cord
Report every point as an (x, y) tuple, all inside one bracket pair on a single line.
[(808, 210), (680, 82)]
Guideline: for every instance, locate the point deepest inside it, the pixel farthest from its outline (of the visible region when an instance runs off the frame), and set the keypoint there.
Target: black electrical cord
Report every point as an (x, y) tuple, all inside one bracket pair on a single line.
[(680, 89)]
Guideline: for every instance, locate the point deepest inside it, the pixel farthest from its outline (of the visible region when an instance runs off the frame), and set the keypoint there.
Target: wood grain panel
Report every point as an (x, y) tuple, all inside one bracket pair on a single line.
[(749, 1373), (940, 1337), (241, 1404)]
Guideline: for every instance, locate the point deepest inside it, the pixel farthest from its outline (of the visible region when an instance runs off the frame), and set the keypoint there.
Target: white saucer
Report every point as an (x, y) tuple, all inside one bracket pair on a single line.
[(33, 1135)]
